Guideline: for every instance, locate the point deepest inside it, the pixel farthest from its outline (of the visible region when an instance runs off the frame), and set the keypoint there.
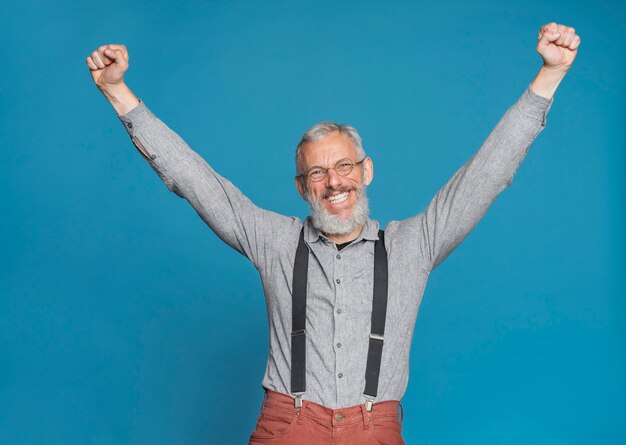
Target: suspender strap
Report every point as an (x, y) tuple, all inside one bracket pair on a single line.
[(298, 320), (298, 317), (379, 313)]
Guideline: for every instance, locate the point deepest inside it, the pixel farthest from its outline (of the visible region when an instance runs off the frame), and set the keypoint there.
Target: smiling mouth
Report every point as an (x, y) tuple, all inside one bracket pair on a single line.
[(339, 197)]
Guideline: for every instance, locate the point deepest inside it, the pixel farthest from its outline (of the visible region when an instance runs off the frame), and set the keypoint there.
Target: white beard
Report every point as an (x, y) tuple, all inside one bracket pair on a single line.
[(335, 225)]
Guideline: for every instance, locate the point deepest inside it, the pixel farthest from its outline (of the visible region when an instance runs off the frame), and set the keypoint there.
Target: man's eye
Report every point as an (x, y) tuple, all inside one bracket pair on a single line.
[(316, 172), (345, 165)]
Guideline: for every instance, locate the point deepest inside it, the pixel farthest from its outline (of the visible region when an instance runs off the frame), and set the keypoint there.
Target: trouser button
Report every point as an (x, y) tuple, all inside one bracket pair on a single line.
[(338, 417)]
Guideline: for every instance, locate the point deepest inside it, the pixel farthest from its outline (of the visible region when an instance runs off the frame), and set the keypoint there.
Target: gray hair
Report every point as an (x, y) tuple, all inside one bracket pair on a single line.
[(319, 131)]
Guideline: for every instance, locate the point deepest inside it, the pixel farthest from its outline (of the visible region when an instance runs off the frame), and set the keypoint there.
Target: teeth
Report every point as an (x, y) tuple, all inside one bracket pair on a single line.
[(338, 198)]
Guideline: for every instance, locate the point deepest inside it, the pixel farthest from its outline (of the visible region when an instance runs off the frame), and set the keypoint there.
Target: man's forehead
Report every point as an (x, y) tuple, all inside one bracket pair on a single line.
[(333, 145)]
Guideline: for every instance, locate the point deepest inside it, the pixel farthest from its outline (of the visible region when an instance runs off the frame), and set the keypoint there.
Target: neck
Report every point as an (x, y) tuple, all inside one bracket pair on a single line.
[(344, 238)]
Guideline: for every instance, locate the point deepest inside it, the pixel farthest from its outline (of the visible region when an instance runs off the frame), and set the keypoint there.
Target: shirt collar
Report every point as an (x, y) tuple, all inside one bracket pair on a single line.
[(369, 232)]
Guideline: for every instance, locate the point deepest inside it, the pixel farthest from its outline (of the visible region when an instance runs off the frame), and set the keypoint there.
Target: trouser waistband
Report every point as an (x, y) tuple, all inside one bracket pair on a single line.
[(333, 417)]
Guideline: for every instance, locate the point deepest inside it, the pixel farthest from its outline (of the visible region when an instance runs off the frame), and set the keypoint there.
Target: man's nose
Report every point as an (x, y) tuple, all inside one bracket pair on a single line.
[(333, 180)]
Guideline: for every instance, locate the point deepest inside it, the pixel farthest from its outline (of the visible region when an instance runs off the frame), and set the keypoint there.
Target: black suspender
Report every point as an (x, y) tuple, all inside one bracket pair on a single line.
[(298, 321), (379, 313)]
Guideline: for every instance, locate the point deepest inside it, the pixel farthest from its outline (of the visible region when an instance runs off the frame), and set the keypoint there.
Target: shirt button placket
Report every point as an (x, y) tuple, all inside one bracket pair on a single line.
[(339, 327)]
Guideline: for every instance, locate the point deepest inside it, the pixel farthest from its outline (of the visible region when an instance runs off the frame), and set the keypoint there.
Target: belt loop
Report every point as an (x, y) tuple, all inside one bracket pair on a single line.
[(366, 417), (402, 411)]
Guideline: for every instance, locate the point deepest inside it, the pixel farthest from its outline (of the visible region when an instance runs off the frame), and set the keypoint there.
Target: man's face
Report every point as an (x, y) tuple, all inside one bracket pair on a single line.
[(336, 195)]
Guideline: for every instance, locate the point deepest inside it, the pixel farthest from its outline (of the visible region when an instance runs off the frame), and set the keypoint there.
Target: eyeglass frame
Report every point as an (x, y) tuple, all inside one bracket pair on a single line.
[(303, 176)]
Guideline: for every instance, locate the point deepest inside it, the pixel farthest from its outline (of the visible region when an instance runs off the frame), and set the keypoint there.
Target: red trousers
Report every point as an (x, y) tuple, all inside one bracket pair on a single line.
[(280, 423)]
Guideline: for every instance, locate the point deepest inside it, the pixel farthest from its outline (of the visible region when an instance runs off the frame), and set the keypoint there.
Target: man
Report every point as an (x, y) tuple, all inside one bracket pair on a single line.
[(342, 295)]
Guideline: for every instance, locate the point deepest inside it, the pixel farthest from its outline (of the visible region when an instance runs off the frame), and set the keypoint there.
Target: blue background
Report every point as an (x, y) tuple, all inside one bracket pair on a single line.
[(124, 320)]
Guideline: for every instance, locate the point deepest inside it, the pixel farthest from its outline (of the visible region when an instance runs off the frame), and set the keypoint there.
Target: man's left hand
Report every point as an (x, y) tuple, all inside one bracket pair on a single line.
[(557, 46)]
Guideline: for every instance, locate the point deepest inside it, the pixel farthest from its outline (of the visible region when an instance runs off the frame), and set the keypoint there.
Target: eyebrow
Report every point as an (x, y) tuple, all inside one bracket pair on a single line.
[(319, 166)]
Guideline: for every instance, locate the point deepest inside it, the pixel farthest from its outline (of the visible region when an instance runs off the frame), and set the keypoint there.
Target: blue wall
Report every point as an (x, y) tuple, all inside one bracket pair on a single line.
[(124, 320)]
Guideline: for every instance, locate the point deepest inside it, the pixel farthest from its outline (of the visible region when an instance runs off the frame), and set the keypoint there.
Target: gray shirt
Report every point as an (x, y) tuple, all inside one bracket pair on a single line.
[(340, 283)]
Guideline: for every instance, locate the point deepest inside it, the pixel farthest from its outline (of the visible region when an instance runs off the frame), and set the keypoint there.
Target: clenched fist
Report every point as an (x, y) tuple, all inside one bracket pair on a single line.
[(557, 46), (108, 64)]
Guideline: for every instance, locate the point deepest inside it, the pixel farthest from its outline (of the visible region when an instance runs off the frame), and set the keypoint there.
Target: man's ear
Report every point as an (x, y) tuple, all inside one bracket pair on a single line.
[(368, 171), (300, 186)]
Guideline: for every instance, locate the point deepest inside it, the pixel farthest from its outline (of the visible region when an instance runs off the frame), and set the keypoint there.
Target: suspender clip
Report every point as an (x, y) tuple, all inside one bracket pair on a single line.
[(369, 404), (298, 402), (377, 337)]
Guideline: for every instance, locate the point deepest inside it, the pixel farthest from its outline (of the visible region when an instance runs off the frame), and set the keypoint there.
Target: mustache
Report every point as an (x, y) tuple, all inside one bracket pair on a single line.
[(329, 192)]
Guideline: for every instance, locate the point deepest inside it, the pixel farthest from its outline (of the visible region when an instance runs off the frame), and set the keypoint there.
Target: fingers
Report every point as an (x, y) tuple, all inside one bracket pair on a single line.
[(550, 28), (560, 35), (106, 55), (547, 38), (95, 56), (121, 48), (569, 37), (91, 65), (562, 30), (118, 57)]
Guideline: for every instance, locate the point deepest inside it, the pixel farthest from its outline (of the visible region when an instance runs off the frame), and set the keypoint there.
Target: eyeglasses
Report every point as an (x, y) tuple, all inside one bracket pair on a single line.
[(343, 168)]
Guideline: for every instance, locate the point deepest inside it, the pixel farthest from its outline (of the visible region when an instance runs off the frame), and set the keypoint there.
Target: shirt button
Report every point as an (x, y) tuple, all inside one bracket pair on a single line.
[(340, 375), (338, 417), (339, 311), (337, 281), (129, 125), (339, 345), (152, 156), (338, 256)]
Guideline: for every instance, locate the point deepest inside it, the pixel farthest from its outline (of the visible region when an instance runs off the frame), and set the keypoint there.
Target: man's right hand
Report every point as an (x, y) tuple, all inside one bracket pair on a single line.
[(108, 64)]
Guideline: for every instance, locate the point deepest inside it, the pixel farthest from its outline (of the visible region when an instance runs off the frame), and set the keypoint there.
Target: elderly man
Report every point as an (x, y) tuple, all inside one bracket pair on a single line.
[(342, 295)]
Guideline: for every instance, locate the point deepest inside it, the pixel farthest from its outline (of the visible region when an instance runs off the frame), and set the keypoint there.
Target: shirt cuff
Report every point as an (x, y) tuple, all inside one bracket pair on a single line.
[(134, 118), (534, 106)]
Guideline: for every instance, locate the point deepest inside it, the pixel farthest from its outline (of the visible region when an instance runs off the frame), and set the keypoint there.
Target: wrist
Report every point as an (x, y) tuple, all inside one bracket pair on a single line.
[(114, 91), (555, 71), (120, 97), (547, 81)]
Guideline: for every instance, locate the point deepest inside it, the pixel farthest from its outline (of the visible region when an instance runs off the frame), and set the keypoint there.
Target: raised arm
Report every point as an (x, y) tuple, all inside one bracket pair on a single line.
[(465, 198), (232, 216)]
